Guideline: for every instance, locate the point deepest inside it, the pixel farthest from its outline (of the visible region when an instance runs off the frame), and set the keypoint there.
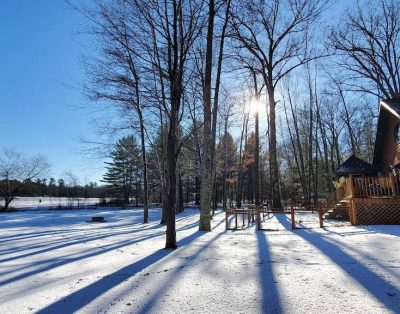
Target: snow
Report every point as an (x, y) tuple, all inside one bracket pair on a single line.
[(56, 262), (45, 202)]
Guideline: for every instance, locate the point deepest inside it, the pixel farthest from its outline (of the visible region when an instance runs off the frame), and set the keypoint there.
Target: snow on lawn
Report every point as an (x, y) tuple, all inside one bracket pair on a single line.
[(56, 262), (44, 202)]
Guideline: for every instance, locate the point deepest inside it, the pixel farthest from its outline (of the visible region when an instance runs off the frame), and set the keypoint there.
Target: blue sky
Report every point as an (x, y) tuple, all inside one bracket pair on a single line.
[(39, 62)]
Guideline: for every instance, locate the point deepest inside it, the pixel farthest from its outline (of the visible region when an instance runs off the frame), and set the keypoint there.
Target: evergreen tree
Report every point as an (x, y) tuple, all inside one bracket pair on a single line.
[(123, 172)]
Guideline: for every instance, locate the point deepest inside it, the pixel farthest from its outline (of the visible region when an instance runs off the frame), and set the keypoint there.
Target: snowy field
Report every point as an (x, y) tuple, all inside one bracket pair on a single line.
[(45, 202), (56, 262)]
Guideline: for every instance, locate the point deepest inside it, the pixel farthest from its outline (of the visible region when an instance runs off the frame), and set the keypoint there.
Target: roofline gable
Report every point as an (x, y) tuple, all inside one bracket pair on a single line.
[(387, 107)]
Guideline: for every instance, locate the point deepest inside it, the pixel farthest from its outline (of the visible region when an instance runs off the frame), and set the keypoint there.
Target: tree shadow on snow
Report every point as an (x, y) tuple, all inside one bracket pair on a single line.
[(174, 275), (84, 296), (393, 230), (271, 301), (51, 263), (86, 238), (382, 290)]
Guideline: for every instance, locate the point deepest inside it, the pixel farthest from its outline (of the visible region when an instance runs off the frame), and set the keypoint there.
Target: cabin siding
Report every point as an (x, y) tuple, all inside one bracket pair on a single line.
[(391, 147)]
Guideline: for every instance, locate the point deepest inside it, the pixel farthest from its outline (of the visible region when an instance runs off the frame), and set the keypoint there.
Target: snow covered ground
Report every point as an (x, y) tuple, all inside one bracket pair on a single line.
[(56, 262), (38, 203)]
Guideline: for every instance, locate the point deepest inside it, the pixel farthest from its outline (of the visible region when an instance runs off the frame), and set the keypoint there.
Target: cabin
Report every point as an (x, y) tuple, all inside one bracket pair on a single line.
[(370, 193)]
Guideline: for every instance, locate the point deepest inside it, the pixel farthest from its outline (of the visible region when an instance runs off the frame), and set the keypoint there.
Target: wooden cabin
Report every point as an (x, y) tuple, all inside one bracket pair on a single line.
[(370, 193), (387, 142)]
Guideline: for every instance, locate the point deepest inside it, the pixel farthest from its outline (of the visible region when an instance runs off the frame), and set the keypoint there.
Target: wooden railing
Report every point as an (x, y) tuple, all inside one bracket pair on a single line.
[(341, 193), (363, 187), (382, 186)]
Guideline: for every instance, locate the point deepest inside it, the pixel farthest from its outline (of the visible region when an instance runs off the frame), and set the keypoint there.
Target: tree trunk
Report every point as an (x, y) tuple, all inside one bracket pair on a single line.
[(310, 143), (171, 183), (145, 180), (215, 107), (273, 160), (7, 202), (206, 182), (257, 166), (180, 193), (197, 191), (243, 137)]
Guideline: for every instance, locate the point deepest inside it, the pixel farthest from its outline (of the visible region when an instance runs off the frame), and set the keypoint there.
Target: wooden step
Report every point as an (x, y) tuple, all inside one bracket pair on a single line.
[(339, 212)]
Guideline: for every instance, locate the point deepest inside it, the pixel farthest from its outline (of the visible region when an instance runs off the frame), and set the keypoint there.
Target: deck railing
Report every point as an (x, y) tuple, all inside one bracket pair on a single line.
[(381, 186), (363, 187)]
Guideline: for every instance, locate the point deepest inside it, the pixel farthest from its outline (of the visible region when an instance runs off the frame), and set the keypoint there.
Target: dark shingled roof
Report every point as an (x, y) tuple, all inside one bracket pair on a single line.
[(354, 165)]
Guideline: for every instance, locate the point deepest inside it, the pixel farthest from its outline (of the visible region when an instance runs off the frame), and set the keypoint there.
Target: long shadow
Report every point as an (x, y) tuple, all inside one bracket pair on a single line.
[(64, 261), (84, 296), (147, 306), (180, 217), (83, 239), (51, 264), (271, 301), (369, 280), (393, 230), (86, 238), (284, 221)]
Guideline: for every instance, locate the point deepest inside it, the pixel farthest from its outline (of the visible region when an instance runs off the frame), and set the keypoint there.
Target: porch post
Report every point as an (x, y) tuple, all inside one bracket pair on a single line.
[(351, 187), (393, 183)]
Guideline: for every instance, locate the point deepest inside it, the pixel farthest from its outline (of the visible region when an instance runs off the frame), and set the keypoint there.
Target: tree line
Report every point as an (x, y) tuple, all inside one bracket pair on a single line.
[(24, 176)]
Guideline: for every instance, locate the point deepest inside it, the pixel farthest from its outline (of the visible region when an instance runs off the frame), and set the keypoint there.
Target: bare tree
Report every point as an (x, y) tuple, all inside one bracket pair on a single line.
[(172, 28), (73, 183), (15, 169), (116, 73), (369, 42), (206, 176), (276, 34)]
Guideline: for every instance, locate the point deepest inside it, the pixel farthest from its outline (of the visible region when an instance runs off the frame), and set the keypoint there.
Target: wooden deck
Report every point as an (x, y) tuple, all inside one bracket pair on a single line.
[(369, 200)]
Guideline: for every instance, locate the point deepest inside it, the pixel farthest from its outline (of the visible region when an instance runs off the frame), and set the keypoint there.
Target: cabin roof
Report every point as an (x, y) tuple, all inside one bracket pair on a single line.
[(393, 105), (354, 165), (386, 108)]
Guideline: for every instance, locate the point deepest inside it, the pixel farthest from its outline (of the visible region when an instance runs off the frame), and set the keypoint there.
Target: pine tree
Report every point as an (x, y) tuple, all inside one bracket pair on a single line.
[(123, 172)]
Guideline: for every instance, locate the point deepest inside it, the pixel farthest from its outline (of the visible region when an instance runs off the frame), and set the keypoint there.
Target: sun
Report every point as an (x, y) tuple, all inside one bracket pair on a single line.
[(255, 106)]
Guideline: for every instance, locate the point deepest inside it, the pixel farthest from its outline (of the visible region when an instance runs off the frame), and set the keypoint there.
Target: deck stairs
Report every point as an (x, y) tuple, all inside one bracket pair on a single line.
[(340, 211), (337, 205)]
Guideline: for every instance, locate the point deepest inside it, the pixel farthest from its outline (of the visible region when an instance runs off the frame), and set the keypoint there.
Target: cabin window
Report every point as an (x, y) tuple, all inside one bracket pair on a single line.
[(397, 132)]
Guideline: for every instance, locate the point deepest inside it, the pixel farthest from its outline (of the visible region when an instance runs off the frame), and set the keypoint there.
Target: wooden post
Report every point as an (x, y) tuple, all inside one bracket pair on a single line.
[(235, 220), (321, 217), (292, 216), (258, 219), (351, 186), (226, 219), (353, 215), (392, 182)]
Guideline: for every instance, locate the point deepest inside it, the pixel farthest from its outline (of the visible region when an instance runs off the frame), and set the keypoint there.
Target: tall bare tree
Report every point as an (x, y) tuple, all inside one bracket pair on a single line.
[(206, 177), (173, 26), (276, 33), (116, 73), (369, 43)]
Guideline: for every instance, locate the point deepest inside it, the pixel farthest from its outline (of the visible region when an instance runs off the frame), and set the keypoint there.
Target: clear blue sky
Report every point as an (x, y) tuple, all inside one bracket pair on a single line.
[(39, 61)]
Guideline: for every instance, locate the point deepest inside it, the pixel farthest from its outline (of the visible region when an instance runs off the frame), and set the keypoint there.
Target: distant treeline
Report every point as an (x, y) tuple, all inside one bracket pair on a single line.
[(58, 188)]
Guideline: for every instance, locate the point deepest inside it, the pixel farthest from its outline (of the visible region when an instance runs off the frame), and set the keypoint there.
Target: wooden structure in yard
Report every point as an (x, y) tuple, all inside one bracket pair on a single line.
[(370, 193), (251, 214)]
